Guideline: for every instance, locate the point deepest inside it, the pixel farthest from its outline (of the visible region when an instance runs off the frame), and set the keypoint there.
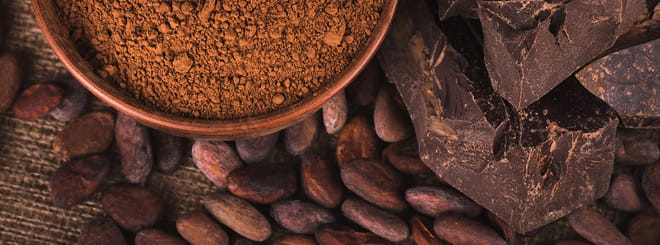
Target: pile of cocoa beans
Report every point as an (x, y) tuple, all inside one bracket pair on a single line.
[(364, 184)]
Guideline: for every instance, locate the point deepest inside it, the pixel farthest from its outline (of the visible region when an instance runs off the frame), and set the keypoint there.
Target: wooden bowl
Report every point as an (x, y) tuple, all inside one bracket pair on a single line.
[(46, 14)]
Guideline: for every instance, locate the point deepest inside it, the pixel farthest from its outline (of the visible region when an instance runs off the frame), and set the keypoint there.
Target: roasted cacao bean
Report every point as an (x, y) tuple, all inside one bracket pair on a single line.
[(73, 103), (404, 156), (375, 182), (435, 200), (75, 181), (91, 133), (335, 113), (330, 235), (644, 229), (215, 159), (37, 100), (257, 149), (134, 147), (101, 231), (320, 180), (457, 229), (623, 194), (421, 233), (592, 226), (132, 207), (378, 221), (199, 229), (392, 122), (238, 215), (635, 149), (356, 141), (168, 151), (300, 217), (299, 137), (263, 184)]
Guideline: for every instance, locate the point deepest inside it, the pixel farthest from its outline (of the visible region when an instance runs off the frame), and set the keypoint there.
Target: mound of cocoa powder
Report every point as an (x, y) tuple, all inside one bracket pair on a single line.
[(217, 59)]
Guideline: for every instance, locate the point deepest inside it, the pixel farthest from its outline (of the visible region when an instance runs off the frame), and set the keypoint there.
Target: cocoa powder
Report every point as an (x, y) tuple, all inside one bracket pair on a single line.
[(220, 59)]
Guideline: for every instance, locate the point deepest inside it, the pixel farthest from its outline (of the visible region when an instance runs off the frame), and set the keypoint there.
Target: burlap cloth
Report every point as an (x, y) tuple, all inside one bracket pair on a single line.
[(26, 160)]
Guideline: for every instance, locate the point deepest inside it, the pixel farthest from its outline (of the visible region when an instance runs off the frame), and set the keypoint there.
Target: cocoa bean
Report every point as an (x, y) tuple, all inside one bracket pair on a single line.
[(356, 141), (320, 180), (101, 231), (375, 182), (263, 184), (404, 156), (299, 137), (378, 221), (329, 235), (363, 90), (73, 103), (36, 101), (335, 113), (623, 194), (300, 217), (10, 80), (644, 229), (168, 151), (635, 149), (592, 226), (215, 159), (132, 207), (504, 229), (75, 181), (421, 233), (572, 242), (435, 200), (91, 133), (257, 149), (238, 215), (651, 185), (391, 121), (156, 237), (295, 240), (457, 229), (199, 229), (134, 147)]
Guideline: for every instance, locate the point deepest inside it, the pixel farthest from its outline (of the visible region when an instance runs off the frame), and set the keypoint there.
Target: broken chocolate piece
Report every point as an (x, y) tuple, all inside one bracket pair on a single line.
[(528, 167), (463, 8), (629, 81), (532, 46)]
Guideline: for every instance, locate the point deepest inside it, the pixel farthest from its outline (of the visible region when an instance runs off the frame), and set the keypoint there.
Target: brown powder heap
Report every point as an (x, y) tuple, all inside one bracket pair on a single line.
[(220, 59)]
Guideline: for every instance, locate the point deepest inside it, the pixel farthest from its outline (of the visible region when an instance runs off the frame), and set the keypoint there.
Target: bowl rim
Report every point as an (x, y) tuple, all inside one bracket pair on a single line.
[(232, 129)]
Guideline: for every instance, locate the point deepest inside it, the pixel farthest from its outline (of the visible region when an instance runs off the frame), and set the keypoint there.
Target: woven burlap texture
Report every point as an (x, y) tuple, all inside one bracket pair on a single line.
[(26, 160)]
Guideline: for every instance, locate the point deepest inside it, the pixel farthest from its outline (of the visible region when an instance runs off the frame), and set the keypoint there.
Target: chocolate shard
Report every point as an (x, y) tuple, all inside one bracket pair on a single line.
[(532, 46), (463, 8), (628, 80), (529, 167)]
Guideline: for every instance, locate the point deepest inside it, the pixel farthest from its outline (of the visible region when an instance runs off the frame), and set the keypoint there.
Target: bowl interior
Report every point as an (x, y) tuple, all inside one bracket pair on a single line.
[(57, 36)]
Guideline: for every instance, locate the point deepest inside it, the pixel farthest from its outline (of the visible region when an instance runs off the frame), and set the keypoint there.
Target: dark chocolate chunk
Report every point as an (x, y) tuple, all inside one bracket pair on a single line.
[(629, 81), (463, 8), (528, 167), (532, 46)]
